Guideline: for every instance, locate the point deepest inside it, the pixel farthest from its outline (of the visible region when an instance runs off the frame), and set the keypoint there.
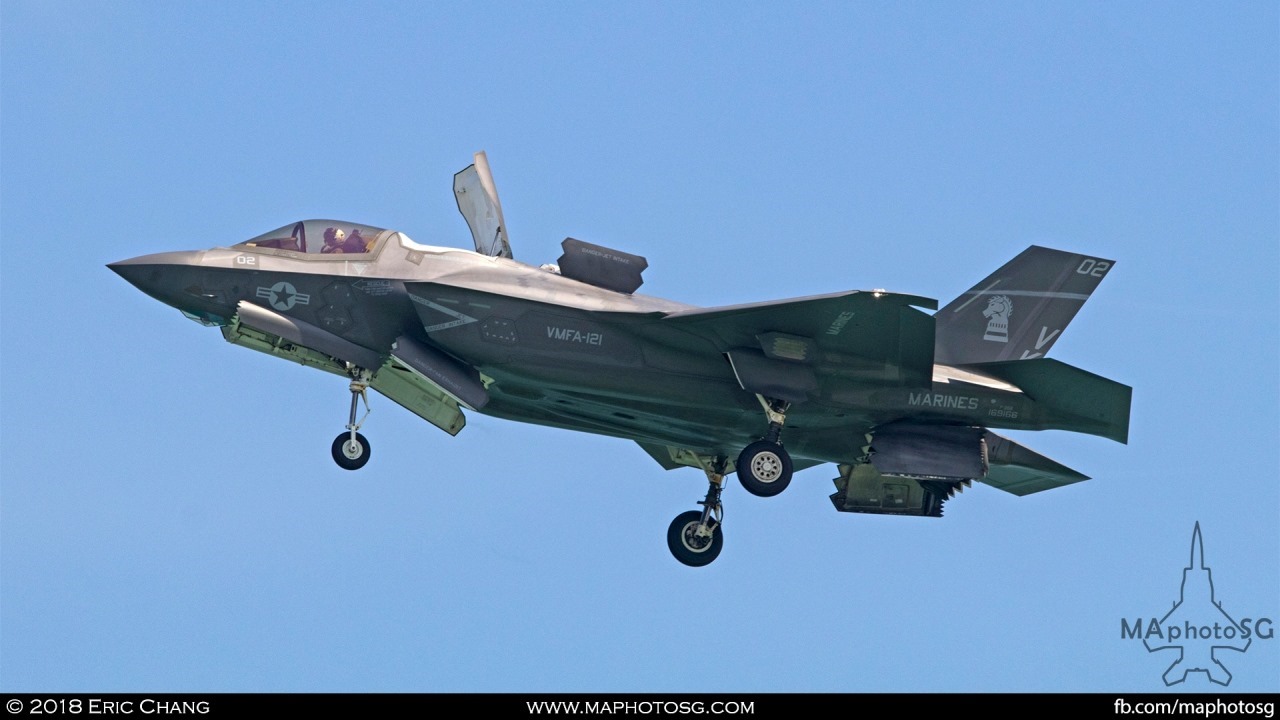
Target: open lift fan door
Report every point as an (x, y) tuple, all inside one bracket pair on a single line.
[(477, 197)]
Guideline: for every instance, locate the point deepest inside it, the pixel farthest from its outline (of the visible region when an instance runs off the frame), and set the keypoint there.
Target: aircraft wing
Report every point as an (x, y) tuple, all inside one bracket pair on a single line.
[(665, 455), (781, 349)]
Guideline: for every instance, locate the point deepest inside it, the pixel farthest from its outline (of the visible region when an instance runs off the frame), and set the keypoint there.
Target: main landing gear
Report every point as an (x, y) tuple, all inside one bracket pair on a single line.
[(351, 449), (764, 467), (694, 537)]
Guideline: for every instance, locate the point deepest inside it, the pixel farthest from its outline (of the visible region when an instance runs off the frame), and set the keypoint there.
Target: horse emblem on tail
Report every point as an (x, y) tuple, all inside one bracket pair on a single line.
[(999, 308)]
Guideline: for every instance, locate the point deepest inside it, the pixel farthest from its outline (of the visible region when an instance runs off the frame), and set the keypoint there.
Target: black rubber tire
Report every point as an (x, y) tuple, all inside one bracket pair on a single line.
[(764, 468), (680, 540), (347, 462)]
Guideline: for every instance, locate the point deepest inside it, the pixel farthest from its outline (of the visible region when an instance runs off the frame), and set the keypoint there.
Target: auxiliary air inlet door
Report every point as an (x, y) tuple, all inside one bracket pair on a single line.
[(601, 266)]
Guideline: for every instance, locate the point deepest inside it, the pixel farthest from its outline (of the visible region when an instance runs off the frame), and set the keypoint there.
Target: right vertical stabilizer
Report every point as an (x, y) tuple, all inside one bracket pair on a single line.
[(1019, 311)]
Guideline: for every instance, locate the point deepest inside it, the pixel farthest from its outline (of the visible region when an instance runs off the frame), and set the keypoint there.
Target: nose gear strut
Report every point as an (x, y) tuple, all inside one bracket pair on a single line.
[(350, 449)]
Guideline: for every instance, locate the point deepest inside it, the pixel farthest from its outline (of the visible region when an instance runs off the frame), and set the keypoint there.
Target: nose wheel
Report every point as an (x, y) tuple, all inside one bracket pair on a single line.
[(351, 453), (351, 449)]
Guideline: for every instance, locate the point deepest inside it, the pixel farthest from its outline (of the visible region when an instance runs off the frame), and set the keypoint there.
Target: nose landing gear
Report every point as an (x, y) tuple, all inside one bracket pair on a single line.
[(351, 449)]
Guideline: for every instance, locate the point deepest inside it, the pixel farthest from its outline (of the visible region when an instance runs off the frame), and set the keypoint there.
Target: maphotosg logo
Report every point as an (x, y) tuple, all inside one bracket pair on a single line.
[(1197, 626)]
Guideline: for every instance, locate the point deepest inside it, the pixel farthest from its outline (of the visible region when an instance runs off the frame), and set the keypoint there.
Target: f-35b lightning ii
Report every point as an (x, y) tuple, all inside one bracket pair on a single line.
[(901, 400)]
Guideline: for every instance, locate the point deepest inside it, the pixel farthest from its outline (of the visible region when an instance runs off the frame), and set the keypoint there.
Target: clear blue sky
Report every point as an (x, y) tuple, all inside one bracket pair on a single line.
[(170, 518)]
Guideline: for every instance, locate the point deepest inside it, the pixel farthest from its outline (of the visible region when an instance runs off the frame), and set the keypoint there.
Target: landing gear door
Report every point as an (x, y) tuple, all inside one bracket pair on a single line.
[(420, 397)]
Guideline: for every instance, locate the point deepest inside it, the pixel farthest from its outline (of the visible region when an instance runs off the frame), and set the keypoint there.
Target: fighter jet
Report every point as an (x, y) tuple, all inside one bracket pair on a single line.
[(900, 400)]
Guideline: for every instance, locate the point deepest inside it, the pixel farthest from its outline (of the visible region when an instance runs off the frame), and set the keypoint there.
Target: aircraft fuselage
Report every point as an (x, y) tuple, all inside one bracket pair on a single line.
[(556, 351)]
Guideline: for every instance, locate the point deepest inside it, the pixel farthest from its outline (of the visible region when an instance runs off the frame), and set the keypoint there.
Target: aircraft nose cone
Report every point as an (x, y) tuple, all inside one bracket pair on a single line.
[(139, 275), (157, 275), (142, 273), (130, 270)]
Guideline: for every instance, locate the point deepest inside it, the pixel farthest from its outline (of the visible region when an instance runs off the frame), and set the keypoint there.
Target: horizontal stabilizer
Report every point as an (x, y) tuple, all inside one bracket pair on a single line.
[(1067, 397), (1022, 471)]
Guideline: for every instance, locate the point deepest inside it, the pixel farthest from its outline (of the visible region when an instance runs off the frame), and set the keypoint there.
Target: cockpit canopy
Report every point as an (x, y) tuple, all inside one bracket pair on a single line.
[(319, 237)]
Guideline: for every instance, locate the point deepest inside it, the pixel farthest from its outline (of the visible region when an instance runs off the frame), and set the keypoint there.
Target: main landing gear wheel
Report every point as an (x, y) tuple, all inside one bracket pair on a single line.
[(694, 537), (692, 542), (764, 468), (350, 453)]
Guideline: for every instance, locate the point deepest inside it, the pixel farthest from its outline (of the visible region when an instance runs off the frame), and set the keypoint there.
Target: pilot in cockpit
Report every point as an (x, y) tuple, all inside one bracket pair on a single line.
[(337, 241)]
